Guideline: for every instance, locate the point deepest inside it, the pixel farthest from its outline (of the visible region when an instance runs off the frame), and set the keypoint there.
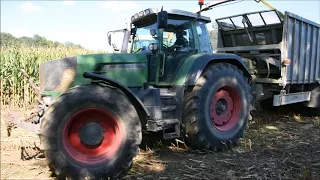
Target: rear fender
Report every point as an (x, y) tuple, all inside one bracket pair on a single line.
[(141, 109), (202, 61)]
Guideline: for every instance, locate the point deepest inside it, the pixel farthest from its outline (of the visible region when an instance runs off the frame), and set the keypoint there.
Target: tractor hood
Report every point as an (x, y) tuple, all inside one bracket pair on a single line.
[(62, 74)]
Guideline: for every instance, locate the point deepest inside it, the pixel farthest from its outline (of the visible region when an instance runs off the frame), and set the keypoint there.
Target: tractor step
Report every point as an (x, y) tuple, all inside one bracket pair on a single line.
[(167, 95), (171, 128), (168, 104), (168, 99), (170, 135), (164, 107), (168, 108), (170, 121), (171, 125)]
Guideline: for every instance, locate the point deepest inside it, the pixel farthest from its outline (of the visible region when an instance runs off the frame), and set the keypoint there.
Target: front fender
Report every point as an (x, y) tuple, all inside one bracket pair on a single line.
[(132, 97), (194, 65)]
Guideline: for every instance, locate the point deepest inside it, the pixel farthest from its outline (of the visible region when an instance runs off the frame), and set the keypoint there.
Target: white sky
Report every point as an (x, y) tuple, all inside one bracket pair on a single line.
[(87, 22)]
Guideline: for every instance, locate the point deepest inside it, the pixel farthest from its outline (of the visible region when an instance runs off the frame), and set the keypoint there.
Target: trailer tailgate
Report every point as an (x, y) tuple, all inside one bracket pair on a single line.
[(301, 44)]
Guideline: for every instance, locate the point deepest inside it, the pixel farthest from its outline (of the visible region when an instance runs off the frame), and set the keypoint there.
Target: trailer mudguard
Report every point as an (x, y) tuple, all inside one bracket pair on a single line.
[(194, 65), (132, 97)]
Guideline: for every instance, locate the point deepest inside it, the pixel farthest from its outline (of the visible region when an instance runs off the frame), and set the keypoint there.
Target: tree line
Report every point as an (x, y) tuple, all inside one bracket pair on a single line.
[(8, 39)]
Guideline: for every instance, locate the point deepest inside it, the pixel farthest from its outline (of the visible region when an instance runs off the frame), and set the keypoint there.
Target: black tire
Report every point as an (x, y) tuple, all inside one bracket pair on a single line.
[(199, 128), (87, 99)]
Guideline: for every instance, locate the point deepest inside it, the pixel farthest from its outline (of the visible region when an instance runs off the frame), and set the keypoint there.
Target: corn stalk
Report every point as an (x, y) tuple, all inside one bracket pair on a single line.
[(15, 89)]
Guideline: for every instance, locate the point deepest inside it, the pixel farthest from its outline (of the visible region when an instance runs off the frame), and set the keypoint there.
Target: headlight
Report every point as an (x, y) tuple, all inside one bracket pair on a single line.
[(141, 14), (153, 47)]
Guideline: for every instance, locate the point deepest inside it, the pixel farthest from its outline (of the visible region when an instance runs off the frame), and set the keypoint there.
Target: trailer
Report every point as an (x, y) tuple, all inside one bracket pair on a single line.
[(282, 54)]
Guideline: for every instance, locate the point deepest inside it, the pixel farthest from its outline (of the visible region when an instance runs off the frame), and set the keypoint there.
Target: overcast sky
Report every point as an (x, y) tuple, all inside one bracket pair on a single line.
[(87, 22)]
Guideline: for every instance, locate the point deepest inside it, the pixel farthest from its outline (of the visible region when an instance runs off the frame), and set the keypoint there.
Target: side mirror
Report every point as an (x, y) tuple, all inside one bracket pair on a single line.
[(109, 39), (133, 30), (115, 48), (162, 19)]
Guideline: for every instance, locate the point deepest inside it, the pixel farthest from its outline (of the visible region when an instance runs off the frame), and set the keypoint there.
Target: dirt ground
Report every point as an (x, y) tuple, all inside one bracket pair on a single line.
[(278, 145)]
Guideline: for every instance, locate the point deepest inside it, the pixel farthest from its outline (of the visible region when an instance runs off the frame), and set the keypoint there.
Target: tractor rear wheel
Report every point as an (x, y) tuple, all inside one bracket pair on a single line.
[(90, 132), (217, 109)]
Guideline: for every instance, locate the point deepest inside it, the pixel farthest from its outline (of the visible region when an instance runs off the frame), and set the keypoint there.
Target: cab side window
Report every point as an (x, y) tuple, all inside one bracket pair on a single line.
[(204, 38)]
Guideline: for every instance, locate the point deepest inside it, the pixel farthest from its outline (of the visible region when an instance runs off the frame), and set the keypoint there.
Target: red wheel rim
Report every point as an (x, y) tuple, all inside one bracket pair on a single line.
[(225, 108), (92, 154)]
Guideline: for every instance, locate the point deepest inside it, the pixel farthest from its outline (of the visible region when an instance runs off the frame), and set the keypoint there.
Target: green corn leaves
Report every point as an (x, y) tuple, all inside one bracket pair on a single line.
[(15, 90)]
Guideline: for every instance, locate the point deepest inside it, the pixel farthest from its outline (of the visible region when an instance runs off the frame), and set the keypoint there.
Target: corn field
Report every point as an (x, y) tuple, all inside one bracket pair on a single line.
[(15, 90)]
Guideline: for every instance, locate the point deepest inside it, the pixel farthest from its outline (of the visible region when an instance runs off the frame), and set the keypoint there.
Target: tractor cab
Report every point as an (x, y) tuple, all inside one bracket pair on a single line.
[(166, 32), (167, 37)]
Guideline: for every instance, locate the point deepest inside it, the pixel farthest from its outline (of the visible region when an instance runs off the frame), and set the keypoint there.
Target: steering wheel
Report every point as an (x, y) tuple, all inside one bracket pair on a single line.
[(137, 50), (172, 48), (176, 47)]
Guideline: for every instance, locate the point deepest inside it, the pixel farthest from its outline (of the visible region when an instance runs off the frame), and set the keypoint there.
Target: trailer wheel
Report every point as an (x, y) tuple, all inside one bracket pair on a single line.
[(90, 132), (217, 109)]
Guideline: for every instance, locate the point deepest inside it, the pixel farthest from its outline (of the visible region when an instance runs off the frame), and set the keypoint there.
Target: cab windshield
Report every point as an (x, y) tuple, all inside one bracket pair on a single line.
[(178, 35), (142, 38)]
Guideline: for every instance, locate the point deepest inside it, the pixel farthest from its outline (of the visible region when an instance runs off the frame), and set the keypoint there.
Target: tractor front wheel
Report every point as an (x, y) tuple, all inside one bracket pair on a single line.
[(90, 132), (217, 109)]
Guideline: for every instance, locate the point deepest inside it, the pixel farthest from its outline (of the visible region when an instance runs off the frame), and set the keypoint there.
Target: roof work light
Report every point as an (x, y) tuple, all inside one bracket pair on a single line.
[(201, 2)]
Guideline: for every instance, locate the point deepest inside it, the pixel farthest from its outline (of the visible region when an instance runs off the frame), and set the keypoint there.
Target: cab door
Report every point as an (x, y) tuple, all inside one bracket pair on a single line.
[(203, 37), (172, 58)]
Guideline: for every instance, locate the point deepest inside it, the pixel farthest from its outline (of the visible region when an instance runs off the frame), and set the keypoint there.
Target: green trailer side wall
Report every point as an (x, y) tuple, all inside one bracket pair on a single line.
[(131, 77)]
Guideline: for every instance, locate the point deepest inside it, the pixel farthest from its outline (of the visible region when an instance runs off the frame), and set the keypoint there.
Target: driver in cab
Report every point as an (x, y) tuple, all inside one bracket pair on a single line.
[(181, 41)]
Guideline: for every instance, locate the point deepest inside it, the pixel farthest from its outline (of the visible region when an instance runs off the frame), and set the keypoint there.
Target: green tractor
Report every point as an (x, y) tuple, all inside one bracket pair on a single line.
[(96, 107), (93, 109)]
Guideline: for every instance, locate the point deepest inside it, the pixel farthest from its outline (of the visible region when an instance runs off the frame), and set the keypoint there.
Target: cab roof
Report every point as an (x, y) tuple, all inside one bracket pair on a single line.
[(154, 11)]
